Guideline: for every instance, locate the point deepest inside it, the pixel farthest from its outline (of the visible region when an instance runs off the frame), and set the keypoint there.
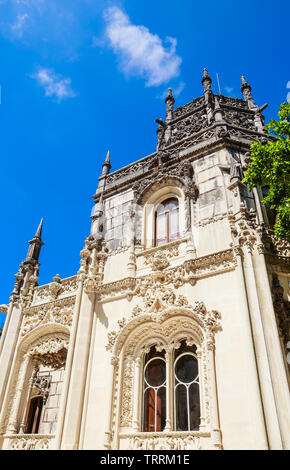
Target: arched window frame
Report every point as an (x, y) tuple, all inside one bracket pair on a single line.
[(149, 212), (126, 374), (167, 213), (170, 362)]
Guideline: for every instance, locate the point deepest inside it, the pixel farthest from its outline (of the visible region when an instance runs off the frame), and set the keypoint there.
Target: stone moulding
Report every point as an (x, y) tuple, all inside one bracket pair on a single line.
[(190, 271), (167, 247)]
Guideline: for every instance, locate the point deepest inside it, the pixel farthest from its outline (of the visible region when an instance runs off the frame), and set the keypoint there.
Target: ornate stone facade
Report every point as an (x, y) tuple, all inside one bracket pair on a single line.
[(215, 287)]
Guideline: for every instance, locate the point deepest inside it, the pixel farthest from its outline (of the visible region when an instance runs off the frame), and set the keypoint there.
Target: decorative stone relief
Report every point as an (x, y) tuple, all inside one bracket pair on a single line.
[(60, 312), (166, 441), (58, 288), (282, 310), (50, 351), (28, 442)]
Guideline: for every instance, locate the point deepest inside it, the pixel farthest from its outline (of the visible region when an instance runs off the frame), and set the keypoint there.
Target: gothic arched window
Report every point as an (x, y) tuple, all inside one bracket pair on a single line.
[(167, 221), (186, 389), (182, 367), (154, 389)]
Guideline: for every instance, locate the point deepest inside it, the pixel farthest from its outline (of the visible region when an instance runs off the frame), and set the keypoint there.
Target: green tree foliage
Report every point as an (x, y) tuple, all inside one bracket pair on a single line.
[(270, 166)]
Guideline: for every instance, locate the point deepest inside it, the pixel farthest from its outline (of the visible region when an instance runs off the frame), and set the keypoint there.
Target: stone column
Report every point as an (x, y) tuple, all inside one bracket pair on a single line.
[(108, 433), (255, 399), (215, 425), (201, 388), (13, 419), (278, 381), (68, 367), (137, 379), (168, 359), (262, 357), (8, 344), (78, 376)]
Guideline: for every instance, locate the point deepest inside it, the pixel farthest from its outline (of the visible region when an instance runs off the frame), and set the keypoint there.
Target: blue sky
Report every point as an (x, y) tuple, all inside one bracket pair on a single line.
[(79, 77)]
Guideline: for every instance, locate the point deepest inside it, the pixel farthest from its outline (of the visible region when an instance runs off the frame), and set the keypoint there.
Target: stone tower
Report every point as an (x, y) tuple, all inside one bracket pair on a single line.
[(173, 333)]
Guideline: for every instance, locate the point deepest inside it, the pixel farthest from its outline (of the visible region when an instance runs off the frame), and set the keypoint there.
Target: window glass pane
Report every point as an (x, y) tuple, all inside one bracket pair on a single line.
[(173, 225), (186, 368), (167, 205), (161, 409), (184, 348), (155, 372), (181, 408), (161, 229), (149, 410), (194, 406)]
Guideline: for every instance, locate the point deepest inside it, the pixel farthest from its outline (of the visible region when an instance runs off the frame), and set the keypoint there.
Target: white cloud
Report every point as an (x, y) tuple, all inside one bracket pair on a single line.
[(141, 52), (54, 85), (20, 24)]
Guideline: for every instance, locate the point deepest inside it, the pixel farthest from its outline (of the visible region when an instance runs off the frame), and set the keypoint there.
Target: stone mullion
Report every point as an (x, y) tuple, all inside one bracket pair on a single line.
[(201, 388)]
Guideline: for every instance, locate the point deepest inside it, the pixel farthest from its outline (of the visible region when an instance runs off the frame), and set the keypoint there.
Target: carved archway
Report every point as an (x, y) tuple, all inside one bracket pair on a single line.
[(47, 345), (165, 328)]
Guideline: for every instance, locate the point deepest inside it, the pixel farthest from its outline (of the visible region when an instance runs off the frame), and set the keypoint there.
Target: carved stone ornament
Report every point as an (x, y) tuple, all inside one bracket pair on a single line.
[(163, 327), (58, 288), (29, 442), (243, 228), (59, 312), (42, 383), (165, 441), (50, 351), (157, 307), (282, 310), (182, 174)]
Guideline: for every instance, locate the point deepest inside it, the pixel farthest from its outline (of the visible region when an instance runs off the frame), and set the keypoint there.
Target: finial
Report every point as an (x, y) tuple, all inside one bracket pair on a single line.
[(206, 83), (216, 103), (218, 114), (39, 230), (169, 95), (169, 101), (205, 76), (107, 164), (35, 245), (247, 92)]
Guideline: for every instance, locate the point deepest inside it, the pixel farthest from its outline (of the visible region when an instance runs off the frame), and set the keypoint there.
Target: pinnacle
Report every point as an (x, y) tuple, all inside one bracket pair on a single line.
[(39, 230)]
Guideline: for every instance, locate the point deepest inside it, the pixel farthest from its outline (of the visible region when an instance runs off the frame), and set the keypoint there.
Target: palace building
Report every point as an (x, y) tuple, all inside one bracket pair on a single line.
[(173, 333)]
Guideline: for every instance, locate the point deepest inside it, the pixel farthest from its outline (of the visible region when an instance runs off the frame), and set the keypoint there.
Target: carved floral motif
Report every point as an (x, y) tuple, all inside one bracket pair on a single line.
[(167, 441), (60, 312), (28, 442)]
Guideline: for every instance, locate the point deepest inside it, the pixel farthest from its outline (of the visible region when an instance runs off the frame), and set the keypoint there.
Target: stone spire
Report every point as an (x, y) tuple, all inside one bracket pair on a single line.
[(26, 277), (169, 101), (247, 92), (107, 164), (35, 245)]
